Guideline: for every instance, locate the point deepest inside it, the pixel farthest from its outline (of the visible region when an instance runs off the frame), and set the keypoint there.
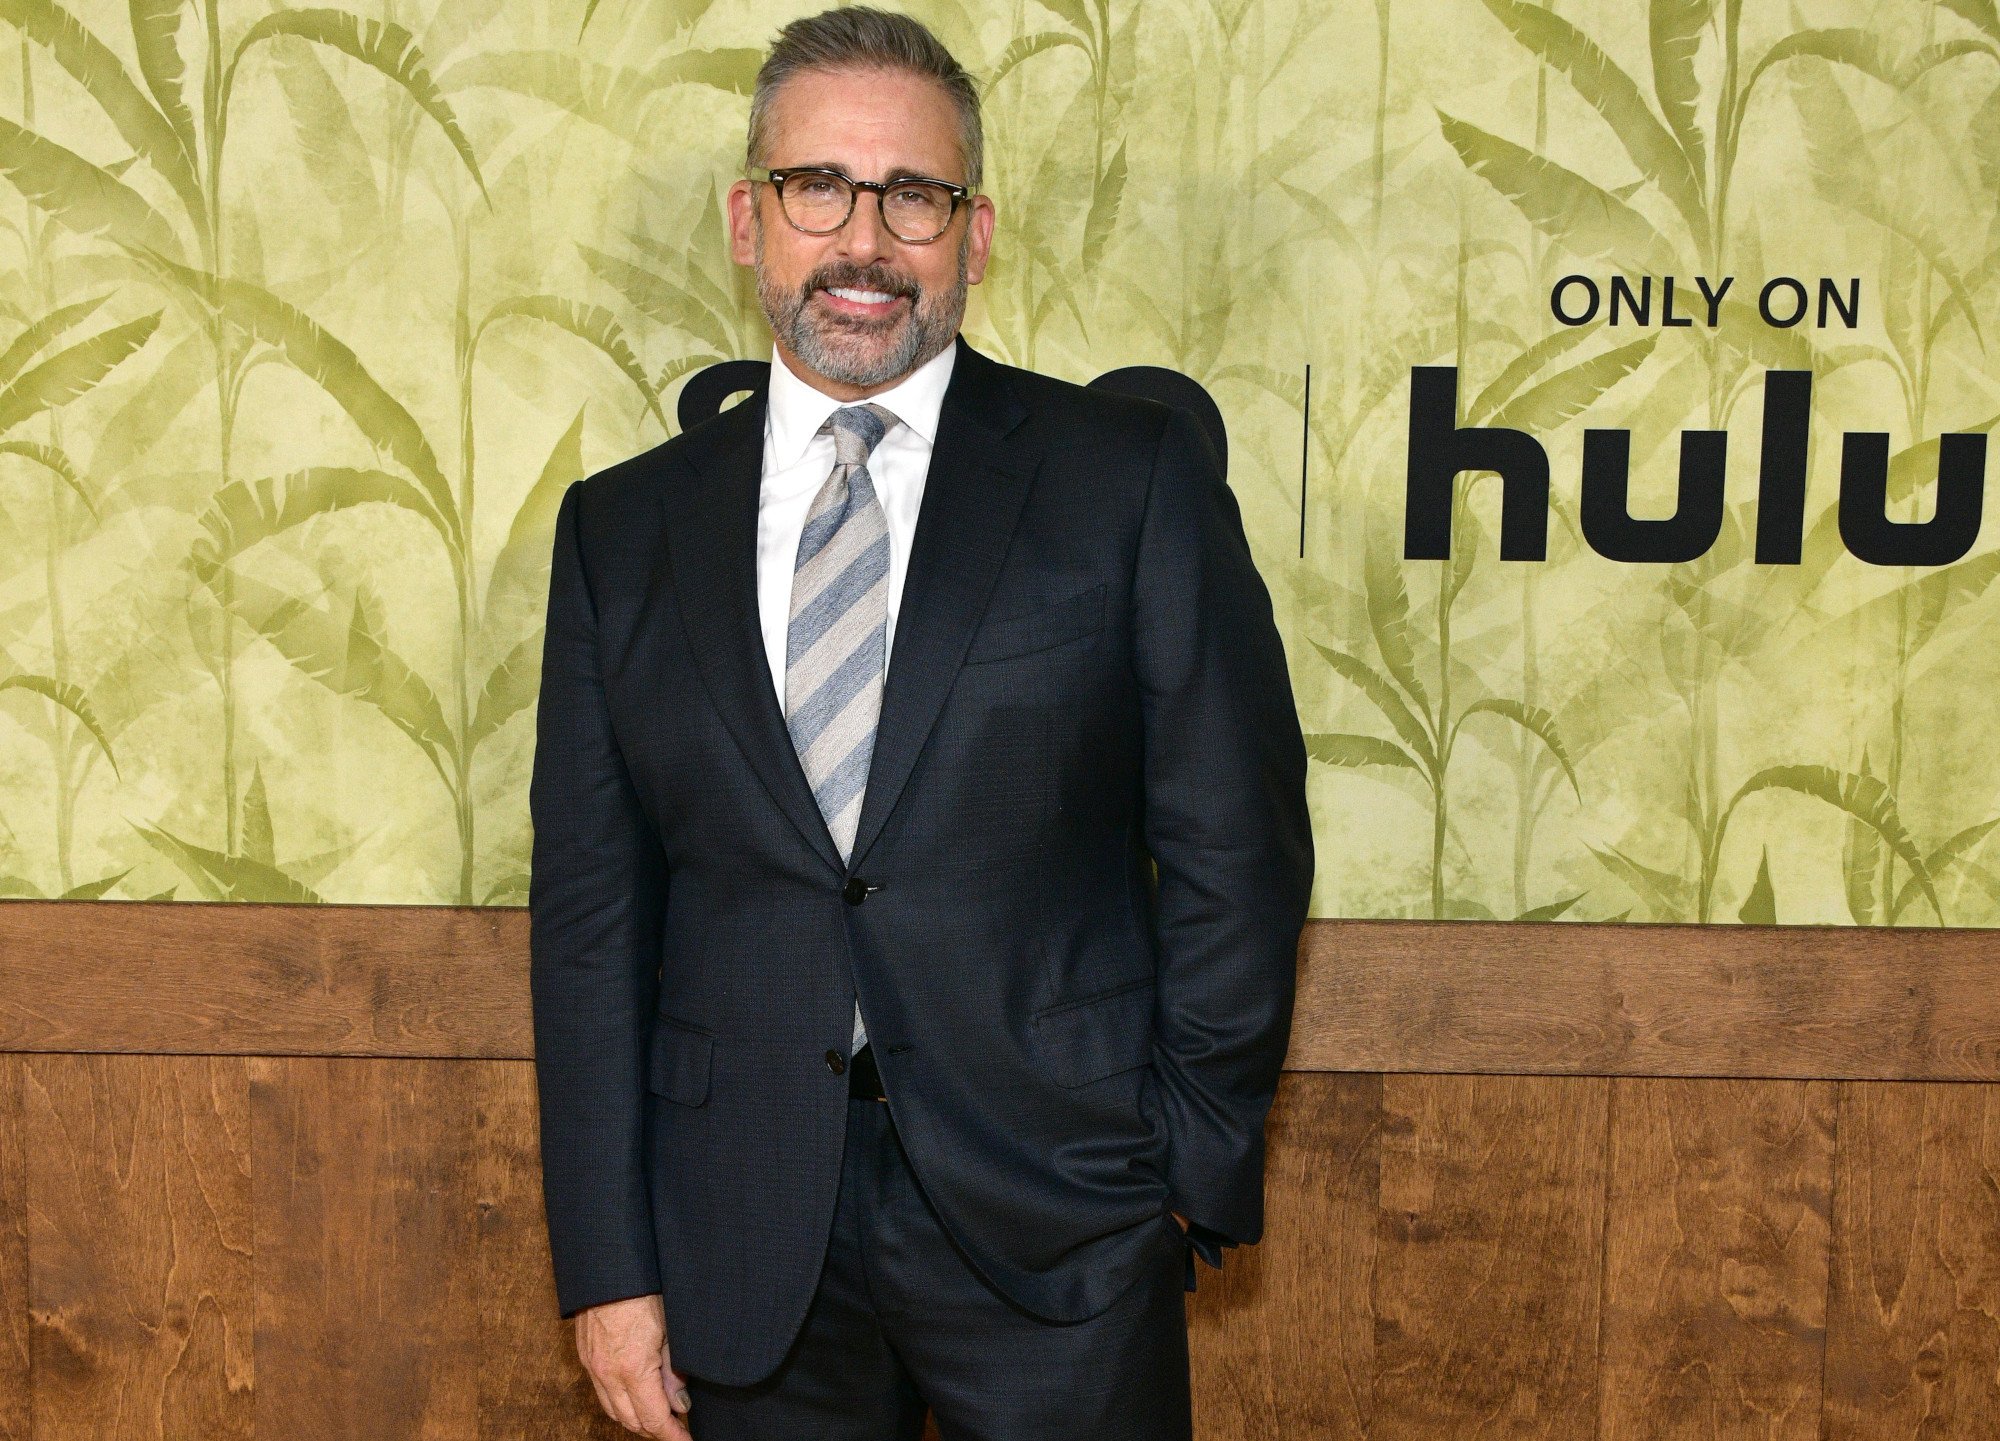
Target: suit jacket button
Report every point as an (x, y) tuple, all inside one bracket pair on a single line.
[(835, 1062), (855, 891)]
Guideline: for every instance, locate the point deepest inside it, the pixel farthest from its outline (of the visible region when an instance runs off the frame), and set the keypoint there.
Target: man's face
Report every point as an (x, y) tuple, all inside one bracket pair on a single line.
[(868, 124)]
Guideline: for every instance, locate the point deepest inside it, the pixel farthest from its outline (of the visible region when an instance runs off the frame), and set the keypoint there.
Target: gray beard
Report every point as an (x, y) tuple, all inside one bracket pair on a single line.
[(845, 354)]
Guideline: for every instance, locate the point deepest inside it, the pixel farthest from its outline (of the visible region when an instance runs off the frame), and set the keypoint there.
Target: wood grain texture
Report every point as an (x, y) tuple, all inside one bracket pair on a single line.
[(1804, 1002), (207, 978), (1913, 1348), (403, 1278), (367, 1295), (1282, 1338), (138, 1206), (1715, 1268), (1551, 1253), (15, 1377), (531, 1383), (1445, 1258), (1491, 1236)]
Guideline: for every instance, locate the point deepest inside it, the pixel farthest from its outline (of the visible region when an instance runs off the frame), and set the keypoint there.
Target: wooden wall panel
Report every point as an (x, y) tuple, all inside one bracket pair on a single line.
[(14, 1374), (530, 1381), (1600, 999), (1563, 998), (1282, 1338), (216, 978), (1444, 1257), (1715, 1269), (403, 1280), (1491, 1248), (1549, 1244), (138, 1209), (1913, 1349), (367, 1303)]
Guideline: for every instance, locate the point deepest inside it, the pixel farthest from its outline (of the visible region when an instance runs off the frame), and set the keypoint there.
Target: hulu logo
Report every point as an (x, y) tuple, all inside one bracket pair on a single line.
[(1441, 449)]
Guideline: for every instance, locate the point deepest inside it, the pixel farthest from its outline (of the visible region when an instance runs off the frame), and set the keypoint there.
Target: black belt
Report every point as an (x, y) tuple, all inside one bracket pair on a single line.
[(863, 1079)]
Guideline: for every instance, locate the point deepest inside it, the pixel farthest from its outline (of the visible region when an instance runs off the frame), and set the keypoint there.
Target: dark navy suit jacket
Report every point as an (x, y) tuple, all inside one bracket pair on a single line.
[(1072, 908)]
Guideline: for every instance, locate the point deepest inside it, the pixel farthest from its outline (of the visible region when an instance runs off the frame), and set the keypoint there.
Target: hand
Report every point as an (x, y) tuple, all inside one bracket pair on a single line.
[(623, 1345)]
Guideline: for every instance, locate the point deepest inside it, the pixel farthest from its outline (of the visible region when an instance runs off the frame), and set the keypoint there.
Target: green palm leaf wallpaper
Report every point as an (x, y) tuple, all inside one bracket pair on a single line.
[(311, 314)]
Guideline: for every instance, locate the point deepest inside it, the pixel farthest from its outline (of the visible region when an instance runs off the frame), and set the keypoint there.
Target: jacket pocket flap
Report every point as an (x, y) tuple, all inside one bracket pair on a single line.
[(1066, 619), (680, 1062), (1087, 1040)]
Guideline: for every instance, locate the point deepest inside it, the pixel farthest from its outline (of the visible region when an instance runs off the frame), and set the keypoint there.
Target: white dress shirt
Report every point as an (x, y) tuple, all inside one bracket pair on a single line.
[(797, 461)]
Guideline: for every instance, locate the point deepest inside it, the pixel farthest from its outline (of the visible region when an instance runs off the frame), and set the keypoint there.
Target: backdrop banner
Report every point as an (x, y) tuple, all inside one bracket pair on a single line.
[(1608, 389)]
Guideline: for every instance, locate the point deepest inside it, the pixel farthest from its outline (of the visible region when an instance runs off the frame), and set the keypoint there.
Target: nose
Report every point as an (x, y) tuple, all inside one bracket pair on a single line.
[(865, 237)]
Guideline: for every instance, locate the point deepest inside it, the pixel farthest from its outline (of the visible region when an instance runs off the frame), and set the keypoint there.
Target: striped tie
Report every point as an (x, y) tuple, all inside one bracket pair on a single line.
[(837, 641)]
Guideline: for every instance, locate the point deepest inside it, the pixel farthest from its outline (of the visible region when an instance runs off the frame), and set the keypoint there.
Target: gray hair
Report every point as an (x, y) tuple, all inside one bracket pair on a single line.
[(860, 37)]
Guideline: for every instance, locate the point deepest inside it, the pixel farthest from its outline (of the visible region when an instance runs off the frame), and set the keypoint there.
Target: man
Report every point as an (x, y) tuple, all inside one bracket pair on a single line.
[(890, 1027)]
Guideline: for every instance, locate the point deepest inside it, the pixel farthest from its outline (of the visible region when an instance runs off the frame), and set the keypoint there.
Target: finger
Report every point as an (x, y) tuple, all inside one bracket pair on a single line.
[(678, 1395), (673, 1429), (681, 1399), (649, 1402), (620, 1407)]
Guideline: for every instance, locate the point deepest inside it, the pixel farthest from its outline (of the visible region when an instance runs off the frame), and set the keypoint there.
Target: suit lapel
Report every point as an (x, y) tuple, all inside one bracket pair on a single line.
[(973, 492), (712, 552), (978, 479)]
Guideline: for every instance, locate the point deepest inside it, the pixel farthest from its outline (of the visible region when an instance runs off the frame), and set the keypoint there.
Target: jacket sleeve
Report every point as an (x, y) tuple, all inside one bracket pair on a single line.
[(1226, 824), (596, 894)]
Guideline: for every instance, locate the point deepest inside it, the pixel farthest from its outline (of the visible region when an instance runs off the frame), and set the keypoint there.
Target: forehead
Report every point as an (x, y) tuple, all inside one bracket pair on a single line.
[(869, 123)]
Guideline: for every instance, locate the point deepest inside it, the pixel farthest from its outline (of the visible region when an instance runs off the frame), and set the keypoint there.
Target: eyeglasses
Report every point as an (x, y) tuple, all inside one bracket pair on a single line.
[(916, 208)]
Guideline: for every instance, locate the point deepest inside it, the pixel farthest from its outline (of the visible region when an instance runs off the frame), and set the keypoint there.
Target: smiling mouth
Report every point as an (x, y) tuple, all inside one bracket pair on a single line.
[(859, 301)]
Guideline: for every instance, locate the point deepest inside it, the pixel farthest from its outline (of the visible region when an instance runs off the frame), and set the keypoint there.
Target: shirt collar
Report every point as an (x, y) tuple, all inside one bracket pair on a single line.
[(794, 410)]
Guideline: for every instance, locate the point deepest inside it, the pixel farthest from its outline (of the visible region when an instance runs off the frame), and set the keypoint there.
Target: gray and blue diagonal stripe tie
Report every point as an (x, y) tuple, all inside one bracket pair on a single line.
[(836, 646)]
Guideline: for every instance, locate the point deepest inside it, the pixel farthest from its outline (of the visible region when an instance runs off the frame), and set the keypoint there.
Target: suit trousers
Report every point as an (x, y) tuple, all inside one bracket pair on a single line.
[(901, 1323)]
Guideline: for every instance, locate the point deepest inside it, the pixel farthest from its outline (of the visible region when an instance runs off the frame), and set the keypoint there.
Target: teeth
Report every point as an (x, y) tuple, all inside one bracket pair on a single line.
[(865, 297)]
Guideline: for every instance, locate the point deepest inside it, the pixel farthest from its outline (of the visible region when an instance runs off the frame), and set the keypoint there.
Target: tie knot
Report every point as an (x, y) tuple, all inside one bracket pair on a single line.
[(857, 430)]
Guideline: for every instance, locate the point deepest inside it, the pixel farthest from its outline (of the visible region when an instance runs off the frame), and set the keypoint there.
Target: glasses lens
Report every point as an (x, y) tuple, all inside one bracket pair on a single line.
[(816, 202), (916, 210)]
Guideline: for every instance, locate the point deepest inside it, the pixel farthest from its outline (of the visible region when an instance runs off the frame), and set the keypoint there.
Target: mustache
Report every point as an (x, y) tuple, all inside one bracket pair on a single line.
[(850, 277)]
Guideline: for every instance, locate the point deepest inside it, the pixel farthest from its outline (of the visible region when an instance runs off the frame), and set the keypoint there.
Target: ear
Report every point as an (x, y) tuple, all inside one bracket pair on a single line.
[(981, 221), (741, 204)]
